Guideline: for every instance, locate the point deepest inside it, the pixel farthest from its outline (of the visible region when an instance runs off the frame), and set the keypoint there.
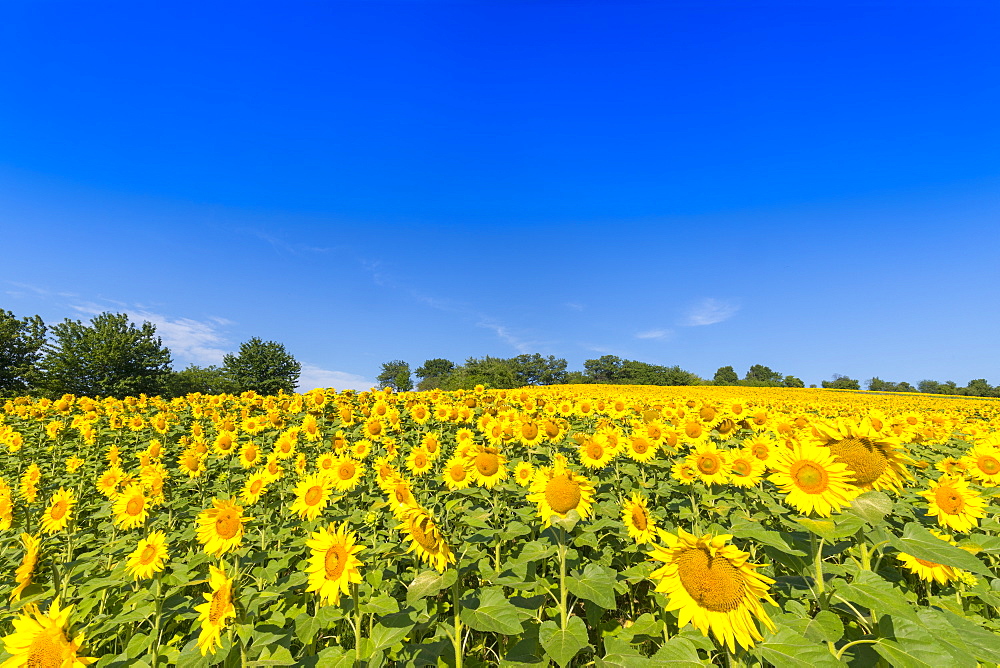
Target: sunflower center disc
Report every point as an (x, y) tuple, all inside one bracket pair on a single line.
[(989, 465), (708, 464), (713, 582), (693, 430), (58, 510), (45, 652), (949, 500), (421, 537), (314, 495), (529, 430), (227, 524), (741, 467), (148, 553), (135, 505), (255, 486), (220, 601), (334, 562), (562, 494), (639, 518), (760, 451), (639, 446), (419, 461), (809, 477), (926, 564), (346, 471), (595, 451), (487, 464), (861, 457)]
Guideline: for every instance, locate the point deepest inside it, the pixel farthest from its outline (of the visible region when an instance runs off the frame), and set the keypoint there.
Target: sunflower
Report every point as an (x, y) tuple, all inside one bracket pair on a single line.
[(762, 446), (131, 508), (400, 496), (107, 484), (217, 608), (255, 485), (711, 585), (955, 505), (220, 528), (876, 461), (930, 571), (683, 472), (419, 462), (325, 463), (487, 466), (456, 474), (951, 466), (26, 571), (523, 473), (594, 453), (558, 490), (149, 557), (333, 566), (361, 449), (420, 413), (640, 525), (312, 494), (6, 508), (709, 463), (347, 473), (59, 512), (425, 538), (192, 463), (982, 463), (745, 470), (529, 432), (431, 443), (43, 640), (640, 447), (73, 463), (813, 480), (250, 455)]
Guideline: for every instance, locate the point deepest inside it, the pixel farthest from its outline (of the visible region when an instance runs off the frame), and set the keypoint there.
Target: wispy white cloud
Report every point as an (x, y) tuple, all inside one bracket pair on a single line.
[(709, 312), (197, 341), (574, 306), (313, 376), (504, 333), (293, 248), (654, 334)]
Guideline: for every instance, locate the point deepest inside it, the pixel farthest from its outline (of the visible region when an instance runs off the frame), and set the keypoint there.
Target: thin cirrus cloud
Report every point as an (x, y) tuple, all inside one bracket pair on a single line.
[(653, 334), (709, 312), (313, 376)]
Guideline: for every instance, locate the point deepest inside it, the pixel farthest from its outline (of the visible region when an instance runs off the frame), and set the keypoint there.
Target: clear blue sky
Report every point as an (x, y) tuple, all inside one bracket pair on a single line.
[(811, 187)]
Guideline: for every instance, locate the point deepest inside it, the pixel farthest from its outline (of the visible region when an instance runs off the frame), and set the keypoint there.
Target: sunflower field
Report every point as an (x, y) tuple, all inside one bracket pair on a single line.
[(567, 525)]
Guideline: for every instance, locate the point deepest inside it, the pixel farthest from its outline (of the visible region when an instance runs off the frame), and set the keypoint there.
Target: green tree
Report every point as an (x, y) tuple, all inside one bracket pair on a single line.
[(929, 387), (792, 381), (604, 369), (207, 380), (491, 372), (264, 367), (760, 374), (537, 370), (110, 357), (905, 387), (726, 375), (876, 384), (21, 342), (395, 374), (840, 382), (432, 372), (979, 388)]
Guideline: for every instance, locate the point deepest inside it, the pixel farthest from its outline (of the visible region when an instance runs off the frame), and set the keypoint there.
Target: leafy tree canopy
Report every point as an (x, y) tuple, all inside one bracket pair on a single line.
[(21, 342), (264, 367), (395, 374)]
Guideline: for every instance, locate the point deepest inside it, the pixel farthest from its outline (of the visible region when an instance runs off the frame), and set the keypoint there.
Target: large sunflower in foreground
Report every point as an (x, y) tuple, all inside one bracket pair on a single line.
[(131, 508), (149, 557), (982, 464), (425, 538), (24, 572), (558, 490), (41, 640), (813, 480), (332, 564), (487, 466), (635, 515), (214, 612), (312, 494), (220, 528), (709, 463), (711, 585), (876, 460), (59, 512), (955, 505)]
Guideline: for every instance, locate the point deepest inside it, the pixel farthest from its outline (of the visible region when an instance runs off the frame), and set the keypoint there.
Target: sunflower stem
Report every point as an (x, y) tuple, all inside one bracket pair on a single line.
[(154, 647), (563, 611), (457, 609), (820, 584), (357, 623)]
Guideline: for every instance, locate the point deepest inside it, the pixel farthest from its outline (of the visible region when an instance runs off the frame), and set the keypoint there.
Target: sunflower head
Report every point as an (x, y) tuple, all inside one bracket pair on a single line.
[(558, 490)]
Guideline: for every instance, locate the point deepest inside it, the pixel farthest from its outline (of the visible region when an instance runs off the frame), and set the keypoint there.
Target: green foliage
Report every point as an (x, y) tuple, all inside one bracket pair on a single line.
[(110, 357), (726, 375), (759, 374), (432, 371), (207, 380), (395, 374), (792, 381), (264, 367), (840, 382), (21, 341)]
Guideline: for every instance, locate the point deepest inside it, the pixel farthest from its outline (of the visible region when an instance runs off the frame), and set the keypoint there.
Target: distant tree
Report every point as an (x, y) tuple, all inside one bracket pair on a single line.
[(206, 380), (264, 367), (110, 357), (604, 369), (759, 373), (726, 375), (395, 374), (577, 378), (537, 370), (21, 342), (840, 382), (491, 372), (929, 387), (792, 381), (876, 384), (435, 367), (905, 387), (979, 388)]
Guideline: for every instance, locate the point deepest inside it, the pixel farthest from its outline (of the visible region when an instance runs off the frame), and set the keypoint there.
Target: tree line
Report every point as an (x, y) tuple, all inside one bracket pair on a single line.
[(507, 373), (110, 356)]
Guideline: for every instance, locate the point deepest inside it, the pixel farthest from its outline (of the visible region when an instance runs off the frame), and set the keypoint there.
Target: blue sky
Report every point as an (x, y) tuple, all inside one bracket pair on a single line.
[(809, 186)]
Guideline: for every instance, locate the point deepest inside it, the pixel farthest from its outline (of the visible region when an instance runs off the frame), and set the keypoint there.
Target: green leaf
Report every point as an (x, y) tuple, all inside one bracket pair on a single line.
[(427, 583), (383, 604), (306, 627), (876, 594), (561, 646), (676, 652), (841, 526), (957, 632), (871, 506), (335, 657), (789, 648), (391, 629), (596, 584), (921, 543), (536, 550), (918, 653), (763, 536), (489, 610), (826, 626)]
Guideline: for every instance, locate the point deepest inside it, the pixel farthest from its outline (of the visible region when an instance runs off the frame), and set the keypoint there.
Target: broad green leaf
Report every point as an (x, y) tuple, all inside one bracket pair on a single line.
[(950, 629), (383, 604), (335, 657), (675, 653), (596, 584), (789, 648), (913, 653), (876, 594), (561, 646), (489, 610), (871, 506), (536, 550), (391, 629), (825, 626), (822, 528), (427, 583), (921, 543), (763, 536)]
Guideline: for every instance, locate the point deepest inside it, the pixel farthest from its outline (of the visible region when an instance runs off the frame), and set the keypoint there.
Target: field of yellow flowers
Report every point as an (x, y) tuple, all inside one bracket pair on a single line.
[(568, 525)]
